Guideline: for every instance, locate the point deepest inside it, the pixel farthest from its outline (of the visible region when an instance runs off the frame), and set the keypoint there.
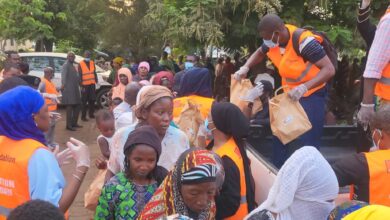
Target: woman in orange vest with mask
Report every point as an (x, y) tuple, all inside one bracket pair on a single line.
[(229, 127), (304, 74), (369, 173), (28, 169)]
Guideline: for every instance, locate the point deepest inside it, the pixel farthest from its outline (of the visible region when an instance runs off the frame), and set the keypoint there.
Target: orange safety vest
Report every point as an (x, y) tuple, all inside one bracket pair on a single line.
[(14, 180), (292, 67), (88, 73), (231, 150), (203, 103), (382, 87), (51, 89)]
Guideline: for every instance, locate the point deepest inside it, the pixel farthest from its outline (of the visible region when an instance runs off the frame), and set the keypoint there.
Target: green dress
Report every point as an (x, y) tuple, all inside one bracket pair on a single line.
[(123, 199)]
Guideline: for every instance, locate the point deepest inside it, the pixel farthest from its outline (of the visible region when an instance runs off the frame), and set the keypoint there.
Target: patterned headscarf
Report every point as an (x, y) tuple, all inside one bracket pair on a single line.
[(194, 165)]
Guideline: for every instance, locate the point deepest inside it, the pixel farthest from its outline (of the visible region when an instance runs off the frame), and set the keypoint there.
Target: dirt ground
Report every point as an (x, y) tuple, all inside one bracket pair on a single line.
[(88, 134)]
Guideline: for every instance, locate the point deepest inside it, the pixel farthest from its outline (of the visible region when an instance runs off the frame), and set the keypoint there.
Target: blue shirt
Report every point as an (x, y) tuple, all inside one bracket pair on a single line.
[(46, 180)]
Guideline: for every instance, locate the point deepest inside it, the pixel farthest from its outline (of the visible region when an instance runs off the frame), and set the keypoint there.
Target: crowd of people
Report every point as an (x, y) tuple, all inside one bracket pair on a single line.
[(173, 146)]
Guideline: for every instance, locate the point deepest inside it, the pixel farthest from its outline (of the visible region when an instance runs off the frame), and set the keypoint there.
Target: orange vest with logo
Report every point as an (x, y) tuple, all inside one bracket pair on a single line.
[(231, 150), (51, 89), (292, 67), (204, 104), (382, 88), (88, 73), (379, 171), (14, 180)]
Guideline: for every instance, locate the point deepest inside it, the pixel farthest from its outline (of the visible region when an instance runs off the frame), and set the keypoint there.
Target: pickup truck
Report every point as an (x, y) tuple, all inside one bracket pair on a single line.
[(336, 142)]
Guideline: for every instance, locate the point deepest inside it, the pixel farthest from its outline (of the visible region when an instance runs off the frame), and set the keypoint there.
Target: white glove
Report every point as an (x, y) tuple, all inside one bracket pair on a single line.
[(53, 97), (80, 152), (296, 93), (365, 113), (254, 93), (241, 73), (62, 157)]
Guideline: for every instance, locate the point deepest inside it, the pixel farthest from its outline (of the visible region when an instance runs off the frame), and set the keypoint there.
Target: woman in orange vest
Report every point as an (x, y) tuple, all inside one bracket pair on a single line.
[(304, 67), (229, 127), (369, 173), (28, 169)]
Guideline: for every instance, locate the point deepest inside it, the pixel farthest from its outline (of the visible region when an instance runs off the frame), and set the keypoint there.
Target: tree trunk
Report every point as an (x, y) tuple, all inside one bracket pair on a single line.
[(48, 45)]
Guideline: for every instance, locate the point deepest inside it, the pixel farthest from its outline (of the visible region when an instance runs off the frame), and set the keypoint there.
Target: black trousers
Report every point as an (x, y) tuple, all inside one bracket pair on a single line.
[(88, 98), (72, 115)]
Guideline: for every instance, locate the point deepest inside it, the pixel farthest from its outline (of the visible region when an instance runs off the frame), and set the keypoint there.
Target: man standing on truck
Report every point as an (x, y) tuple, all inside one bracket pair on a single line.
[(88, 80), (304, 69), (377, 72)]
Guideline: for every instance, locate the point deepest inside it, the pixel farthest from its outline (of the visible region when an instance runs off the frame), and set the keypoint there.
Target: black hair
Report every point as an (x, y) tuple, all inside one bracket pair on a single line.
[(24, 67), (9, 53), (36, 210), (9, 65), (116, 101), (104, 115), (158, 173)]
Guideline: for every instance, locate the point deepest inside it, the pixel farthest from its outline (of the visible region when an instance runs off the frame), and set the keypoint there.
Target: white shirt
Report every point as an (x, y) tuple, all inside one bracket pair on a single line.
[(175, 142), (123, 115)]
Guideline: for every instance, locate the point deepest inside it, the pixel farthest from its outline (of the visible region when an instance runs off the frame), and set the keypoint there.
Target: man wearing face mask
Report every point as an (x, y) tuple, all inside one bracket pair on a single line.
[(88, 80), (305, 75), (368, 173)]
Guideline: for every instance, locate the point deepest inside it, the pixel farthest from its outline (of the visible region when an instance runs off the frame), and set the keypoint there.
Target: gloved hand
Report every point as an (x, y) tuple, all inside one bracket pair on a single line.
[(80, 152), (254, 93), (62, 157), (296, 93), (53, 97), (365, 113), (241, 73)]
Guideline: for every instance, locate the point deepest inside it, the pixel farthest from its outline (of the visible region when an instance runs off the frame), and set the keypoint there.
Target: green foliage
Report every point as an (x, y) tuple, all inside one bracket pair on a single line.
[(22, 20), (64, 46)]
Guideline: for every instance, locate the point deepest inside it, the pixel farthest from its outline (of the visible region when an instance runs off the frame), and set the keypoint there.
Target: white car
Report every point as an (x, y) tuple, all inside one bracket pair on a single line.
[(39, 60)]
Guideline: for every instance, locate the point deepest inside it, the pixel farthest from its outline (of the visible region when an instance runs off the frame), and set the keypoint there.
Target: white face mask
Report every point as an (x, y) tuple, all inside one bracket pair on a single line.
[(375, 146), (270, 44)]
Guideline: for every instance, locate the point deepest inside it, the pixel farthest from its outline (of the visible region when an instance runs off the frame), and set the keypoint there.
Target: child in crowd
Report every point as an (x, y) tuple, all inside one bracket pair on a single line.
[(105, 122), (125, 195), (115, 102), (36, 210)]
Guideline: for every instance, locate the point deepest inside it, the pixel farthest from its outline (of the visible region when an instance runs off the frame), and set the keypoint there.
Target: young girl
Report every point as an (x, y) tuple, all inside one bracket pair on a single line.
[(125, 195), (124, 77), (105, 122)]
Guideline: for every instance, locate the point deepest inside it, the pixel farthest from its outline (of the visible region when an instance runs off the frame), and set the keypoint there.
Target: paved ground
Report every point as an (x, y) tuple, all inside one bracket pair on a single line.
[(88, 135)]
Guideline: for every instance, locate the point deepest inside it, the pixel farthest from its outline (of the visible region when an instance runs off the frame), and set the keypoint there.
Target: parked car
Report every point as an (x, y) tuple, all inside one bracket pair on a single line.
[(39, 60)]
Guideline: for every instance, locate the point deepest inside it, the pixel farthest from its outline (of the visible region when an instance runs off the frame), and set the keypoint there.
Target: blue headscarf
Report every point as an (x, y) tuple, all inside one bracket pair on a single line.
[(196, 81), (17, 107)]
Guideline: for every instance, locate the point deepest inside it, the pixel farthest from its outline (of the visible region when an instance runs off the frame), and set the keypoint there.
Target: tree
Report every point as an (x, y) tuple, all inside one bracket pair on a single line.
[(208, 22), (24, 20)]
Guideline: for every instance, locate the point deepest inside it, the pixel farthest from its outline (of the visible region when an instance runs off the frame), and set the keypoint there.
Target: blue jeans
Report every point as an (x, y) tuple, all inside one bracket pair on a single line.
[(314, 106)]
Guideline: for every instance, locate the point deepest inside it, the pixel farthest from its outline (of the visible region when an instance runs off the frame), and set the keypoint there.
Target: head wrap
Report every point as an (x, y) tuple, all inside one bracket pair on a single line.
[(163, 75), (11, 83), (32, 81), (229, 119), (168, 200), (371, 212), (119, 90), (346, 208), (17, 107), (148, 95), (118, 60), (144, 64), (196, 81), (304, 188), (144, 135)]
